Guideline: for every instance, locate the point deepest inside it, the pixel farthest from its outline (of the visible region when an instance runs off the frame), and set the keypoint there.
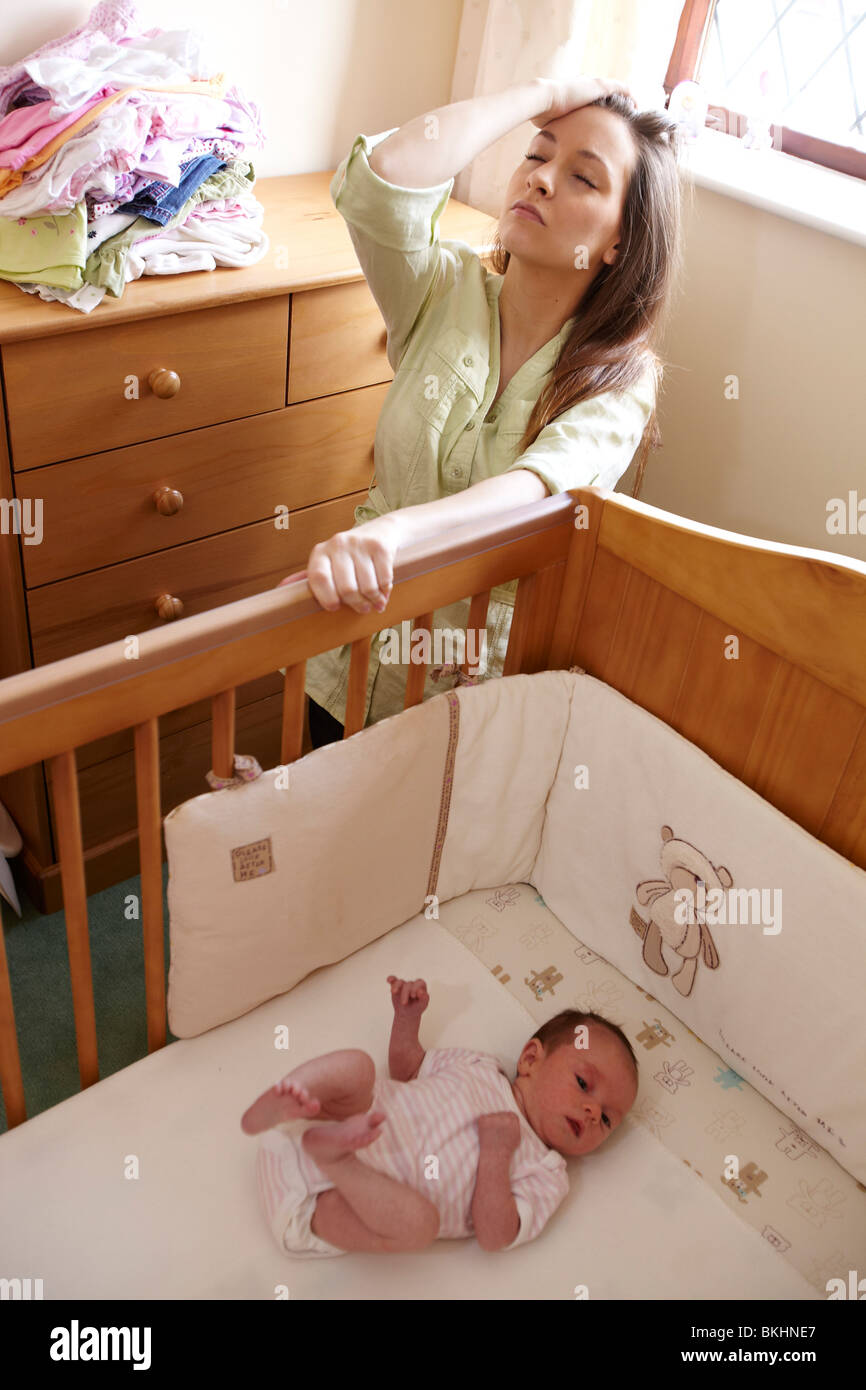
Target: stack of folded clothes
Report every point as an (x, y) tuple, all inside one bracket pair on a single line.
[(122, 155)]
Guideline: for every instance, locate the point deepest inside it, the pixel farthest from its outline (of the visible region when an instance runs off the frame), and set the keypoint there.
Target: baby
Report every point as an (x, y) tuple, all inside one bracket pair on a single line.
[(463, 1150)]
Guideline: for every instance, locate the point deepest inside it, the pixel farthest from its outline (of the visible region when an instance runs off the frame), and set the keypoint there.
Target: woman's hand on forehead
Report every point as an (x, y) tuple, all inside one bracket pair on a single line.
[(568, 95)]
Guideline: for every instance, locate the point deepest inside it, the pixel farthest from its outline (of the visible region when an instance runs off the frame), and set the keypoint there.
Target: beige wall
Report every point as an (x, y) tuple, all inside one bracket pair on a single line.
[(782, 307)]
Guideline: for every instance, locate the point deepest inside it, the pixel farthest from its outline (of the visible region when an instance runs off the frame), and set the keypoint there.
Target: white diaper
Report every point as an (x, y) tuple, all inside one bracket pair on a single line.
[(286, 1200)]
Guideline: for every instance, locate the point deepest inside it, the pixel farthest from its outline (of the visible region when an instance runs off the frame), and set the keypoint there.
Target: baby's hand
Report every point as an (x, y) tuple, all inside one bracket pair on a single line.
[(499, 1131), (409, 997)]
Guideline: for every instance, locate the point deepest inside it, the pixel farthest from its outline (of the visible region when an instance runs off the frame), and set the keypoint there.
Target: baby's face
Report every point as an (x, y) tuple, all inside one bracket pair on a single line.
[(576, 1096)]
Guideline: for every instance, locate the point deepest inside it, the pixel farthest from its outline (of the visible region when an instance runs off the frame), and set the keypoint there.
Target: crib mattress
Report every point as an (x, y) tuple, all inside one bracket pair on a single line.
[(143, 1186)]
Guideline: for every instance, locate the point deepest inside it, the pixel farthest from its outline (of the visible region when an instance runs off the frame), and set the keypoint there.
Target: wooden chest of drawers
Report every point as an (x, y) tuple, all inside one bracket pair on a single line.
[(154, 450)]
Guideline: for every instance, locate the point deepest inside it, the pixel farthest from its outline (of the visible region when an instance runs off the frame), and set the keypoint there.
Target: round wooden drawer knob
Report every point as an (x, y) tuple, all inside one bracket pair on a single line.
[(168, 500), (168, 607), (164, 383)]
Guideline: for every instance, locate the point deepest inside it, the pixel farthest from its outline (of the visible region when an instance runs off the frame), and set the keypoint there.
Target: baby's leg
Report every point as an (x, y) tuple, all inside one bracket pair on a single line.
[(335, 1221), (331, 1087), (376, 1212)]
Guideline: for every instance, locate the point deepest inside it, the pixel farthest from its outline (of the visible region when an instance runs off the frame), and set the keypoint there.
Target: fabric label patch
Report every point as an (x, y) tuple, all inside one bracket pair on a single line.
[(251, 861)]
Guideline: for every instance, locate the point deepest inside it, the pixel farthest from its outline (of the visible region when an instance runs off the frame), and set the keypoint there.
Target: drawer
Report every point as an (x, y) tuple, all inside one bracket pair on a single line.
[(109, 604), (105, 509), (71, 396), (338, 342)]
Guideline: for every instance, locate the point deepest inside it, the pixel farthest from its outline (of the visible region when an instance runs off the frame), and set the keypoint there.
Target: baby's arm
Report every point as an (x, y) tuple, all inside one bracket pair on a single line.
[(494, 1210), (405, 1053)]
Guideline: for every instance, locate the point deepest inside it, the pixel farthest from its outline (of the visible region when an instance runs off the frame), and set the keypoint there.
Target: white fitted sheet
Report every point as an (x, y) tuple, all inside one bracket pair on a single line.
[(637, 1222)]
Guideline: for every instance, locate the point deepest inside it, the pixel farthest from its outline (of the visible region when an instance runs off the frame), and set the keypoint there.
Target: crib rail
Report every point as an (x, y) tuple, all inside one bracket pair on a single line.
[(632, 594), (49, 712), (67, 703)]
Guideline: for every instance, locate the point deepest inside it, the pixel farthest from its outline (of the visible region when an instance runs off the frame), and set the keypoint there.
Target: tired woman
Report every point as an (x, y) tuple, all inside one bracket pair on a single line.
[(511, 384)]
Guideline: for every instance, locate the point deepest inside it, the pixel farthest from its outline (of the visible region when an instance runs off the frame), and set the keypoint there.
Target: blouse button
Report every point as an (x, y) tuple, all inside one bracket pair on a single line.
[(467, 361), (471, 425)]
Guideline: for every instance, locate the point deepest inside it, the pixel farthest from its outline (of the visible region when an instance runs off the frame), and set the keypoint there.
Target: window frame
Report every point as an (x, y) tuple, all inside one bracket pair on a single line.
[(692, 33)]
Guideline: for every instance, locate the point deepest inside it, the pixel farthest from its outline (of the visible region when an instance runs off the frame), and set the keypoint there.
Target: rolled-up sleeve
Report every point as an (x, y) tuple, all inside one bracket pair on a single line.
[(394, 231), (594, 442)]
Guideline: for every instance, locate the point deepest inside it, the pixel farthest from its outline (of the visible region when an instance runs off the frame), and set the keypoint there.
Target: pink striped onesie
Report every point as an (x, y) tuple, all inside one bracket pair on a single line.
[(429, 1141)]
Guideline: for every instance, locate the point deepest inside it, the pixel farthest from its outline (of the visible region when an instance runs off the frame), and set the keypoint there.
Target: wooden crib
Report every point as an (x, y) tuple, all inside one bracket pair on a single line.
[(661, 608)]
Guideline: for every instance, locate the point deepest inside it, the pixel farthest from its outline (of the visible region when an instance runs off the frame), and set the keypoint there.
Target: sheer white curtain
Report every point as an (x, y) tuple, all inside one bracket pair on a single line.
[(507, 41)]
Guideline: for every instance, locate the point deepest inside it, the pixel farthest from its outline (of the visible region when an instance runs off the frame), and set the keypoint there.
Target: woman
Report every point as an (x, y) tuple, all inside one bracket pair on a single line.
[(508, 386)]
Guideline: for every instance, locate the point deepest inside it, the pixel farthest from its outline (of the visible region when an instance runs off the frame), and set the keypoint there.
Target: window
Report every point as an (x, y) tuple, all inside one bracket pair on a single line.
[(807, 56)]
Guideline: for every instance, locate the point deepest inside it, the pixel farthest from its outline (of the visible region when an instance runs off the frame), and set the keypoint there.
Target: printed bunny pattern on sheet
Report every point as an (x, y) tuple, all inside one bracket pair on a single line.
[(787, 1188)]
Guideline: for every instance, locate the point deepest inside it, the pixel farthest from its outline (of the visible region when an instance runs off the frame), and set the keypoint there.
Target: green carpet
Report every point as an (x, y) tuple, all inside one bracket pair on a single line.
[(42, 996)]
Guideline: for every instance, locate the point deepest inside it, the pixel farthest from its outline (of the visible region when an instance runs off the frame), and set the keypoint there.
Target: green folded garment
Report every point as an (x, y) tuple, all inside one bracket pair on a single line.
[(106, 265), (49, 249)]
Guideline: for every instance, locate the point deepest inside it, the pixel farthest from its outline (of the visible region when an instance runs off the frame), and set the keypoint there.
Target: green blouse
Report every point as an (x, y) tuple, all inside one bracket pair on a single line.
[(438, 431)]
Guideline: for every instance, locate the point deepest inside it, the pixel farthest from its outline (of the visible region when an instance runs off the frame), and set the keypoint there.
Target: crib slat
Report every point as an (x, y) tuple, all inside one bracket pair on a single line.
[(477, 621), (150, 855), (686, 680), (845, 824), (579, 567), (64, 775), (223, 736), (356, 696), (292, 727), (599, 618), (11, 1081), (533, 622), (801, 747), (417, 672)]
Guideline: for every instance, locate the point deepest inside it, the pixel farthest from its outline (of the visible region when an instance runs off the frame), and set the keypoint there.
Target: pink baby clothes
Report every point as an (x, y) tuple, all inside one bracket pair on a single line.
[(110, 20), (166, 166), (125, 188), (87, 163), (29, 129), (163, 155), (222, 210), (182, 115), (110, 48), (246, 118), (226, 149), (111, 145), (435, 1117)]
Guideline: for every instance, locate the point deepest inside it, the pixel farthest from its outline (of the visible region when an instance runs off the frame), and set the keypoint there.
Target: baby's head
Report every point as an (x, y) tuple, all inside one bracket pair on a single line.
[(559, 1081)]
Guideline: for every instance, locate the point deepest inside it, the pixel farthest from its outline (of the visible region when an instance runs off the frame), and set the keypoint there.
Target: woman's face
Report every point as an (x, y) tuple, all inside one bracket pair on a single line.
[(579, 198)]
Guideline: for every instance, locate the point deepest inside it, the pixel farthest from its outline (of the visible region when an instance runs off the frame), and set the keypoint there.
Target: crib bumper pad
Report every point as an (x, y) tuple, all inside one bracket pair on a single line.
[(656, 859), (789, 1189)]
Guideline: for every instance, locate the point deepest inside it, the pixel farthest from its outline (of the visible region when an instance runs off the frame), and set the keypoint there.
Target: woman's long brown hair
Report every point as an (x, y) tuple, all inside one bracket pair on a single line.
[(621, 315)]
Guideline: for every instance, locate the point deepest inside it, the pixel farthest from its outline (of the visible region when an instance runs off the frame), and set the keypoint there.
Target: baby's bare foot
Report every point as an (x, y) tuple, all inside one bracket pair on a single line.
[(327, 1143), (288, 1100)]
